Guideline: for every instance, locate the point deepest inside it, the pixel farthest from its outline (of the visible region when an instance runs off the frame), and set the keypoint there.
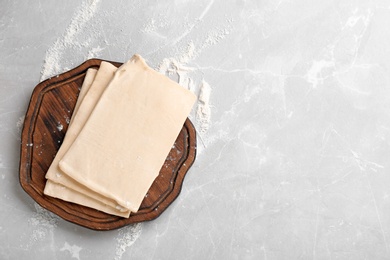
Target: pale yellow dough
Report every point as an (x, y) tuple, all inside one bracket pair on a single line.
[(59, 185), (124, 143), (88, 80)]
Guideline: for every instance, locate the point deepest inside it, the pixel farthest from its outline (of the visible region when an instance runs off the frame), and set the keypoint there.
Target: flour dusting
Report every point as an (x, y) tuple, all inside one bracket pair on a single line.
[(43, 223), (150, 26), (154, 24), (94, 52), (54, 54), (60, 127), (189, 54), (216, 36), (43, 217), (73, 250), (203, 112), (178, 67), (126, 237), (19, 124)]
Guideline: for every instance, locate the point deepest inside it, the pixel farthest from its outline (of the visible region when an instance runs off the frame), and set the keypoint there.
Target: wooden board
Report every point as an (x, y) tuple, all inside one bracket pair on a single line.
[(47, 118)]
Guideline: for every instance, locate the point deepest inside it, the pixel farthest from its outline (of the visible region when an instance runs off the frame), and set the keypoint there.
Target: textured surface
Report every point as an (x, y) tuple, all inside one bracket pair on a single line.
[(295, 125)]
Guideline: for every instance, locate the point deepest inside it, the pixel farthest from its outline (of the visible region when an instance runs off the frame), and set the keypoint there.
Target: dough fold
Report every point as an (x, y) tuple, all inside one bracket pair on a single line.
[(125, 141), (124, 124), (58, 184)]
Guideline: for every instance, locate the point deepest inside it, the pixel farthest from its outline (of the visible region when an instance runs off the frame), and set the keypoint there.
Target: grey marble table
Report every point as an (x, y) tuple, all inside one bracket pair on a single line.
[(293, 119)]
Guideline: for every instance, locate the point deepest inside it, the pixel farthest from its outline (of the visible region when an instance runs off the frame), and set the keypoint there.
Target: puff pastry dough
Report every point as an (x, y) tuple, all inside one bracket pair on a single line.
[(125, 141), (124, 124), (58, 184)]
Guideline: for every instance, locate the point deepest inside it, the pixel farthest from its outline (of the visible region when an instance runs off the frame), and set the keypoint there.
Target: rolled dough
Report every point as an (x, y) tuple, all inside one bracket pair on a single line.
[(123, 145), (59, 185)]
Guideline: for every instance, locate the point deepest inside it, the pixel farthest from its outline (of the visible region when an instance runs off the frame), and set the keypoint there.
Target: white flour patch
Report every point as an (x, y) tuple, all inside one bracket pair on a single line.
[(216, 36), (178, 66), (178, 69), (73, 250), (19, 124), (60, 127), (43, 223), (150, 27), (54, 54), (126, 237), (94, 52), (189, 54), (203, 112)]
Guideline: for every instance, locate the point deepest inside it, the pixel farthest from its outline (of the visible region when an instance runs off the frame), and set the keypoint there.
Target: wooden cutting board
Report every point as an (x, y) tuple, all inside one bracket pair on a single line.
[(47, 118)]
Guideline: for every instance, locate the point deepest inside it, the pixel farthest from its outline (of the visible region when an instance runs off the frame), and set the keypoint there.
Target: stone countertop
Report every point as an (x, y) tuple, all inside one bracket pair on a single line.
[(293, 119)]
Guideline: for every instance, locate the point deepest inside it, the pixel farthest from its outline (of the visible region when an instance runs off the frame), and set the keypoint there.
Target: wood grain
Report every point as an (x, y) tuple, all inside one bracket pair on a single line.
[(47, 118)]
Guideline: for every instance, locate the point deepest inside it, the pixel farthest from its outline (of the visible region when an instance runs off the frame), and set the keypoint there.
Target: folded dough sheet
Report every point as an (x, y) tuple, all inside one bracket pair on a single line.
[(119, 137), (58, 184)]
